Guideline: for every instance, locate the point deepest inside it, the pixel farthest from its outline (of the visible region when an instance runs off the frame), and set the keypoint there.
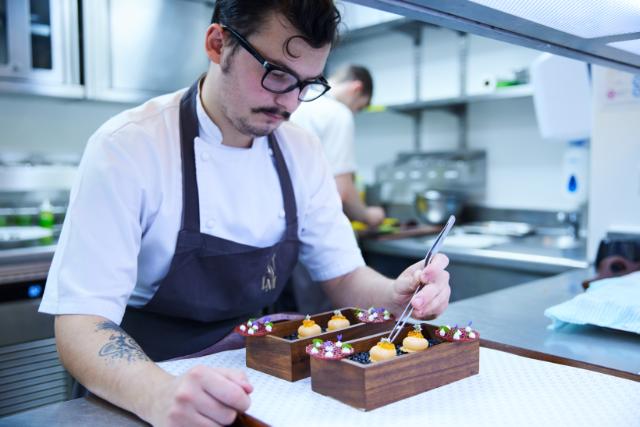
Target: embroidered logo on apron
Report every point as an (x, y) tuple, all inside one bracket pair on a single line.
[(269, 278)]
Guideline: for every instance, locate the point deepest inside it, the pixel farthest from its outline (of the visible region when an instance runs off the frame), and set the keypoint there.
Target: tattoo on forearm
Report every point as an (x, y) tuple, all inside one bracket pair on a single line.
[(120, 345)]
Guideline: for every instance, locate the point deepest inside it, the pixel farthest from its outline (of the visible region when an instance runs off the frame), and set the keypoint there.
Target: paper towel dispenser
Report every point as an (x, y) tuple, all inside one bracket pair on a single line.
[(562, 97)]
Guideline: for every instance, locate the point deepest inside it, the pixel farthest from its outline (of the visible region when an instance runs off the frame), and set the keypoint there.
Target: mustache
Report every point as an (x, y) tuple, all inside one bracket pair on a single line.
[(272, 110)]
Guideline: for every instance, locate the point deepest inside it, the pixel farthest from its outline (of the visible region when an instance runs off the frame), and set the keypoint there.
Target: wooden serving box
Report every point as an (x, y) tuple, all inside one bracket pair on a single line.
[(287, 359), (377, 384)]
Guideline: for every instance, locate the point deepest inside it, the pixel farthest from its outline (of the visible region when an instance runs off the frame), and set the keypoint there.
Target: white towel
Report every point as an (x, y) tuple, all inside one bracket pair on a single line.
[(613, 303)]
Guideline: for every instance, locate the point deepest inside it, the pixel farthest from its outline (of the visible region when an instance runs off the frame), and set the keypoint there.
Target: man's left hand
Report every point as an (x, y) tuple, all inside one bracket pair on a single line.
[(433, 298)]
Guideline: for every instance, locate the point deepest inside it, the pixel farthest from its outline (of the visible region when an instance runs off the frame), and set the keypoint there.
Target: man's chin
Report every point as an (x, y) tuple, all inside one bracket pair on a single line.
[(258, 128), (263, 130)]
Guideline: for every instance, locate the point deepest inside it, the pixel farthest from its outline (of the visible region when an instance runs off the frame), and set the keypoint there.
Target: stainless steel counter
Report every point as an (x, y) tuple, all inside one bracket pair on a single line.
[(515, 316), (27, 254), (530, 253), (512, 316)]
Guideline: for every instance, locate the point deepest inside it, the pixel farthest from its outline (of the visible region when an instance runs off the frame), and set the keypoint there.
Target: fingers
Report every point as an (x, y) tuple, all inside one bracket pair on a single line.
[(227, 391), (237, 377), (217, 395), (433, 298), (430, 272), (195, 407), (431, 301)]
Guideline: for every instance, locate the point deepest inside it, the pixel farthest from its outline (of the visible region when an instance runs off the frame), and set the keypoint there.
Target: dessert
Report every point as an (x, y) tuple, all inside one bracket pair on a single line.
[(414, 341), (374, 315), (457, 334), (383, 350), (254, 328), (337, 321), (329, 350), (308, 328)]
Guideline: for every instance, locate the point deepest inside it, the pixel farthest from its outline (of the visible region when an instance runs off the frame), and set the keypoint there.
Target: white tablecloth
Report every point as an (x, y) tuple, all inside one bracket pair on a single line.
[(510, 390)]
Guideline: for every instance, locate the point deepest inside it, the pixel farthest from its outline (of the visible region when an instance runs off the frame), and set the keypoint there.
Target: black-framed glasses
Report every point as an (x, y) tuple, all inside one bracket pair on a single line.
[(277, 79)]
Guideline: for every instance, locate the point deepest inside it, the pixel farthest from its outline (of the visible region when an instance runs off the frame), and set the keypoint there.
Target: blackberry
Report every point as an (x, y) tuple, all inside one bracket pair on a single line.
[(399, 352), (291, 337), (433, 342), (361, 357)]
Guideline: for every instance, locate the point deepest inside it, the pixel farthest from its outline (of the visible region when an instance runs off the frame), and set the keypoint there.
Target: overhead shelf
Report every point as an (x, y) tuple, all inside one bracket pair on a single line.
[(509, 92), (402, 24), (472, 17)]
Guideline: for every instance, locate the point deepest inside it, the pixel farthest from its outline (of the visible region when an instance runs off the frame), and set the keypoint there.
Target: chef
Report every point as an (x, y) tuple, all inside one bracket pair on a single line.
[(190, 212)]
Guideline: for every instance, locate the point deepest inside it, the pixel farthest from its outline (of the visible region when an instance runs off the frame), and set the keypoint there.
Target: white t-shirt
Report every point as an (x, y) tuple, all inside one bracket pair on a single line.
[(332, 122), (125, 209)]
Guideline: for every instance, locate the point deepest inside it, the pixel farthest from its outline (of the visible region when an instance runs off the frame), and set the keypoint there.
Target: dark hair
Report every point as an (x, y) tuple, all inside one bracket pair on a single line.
[(349, 73), (316, 20)]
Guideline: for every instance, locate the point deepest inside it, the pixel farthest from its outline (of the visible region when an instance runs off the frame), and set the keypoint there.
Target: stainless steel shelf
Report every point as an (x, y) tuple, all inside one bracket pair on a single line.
[(510, 92)]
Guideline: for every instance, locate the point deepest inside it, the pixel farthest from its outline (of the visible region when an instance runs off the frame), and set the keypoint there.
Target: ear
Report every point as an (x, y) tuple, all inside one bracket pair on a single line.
[(356, 87), (214, 42)]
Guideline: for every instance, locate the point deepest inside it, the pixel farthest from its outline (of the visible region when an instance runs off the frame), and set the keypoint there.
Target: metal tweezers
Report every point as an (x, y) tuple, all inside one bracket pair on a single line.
[(435, 248)]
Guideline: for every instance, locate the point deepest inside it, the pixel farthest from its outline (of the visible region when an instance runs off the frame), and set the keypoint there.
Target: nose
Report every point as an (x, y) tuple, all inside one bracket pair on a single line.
[(288, 101)]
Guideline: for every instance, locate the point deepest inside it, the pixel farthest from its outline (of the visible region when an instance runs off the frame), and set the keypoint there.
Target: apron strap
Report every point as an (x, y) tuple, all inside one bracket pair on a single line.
[(288, 195), (188, 132)]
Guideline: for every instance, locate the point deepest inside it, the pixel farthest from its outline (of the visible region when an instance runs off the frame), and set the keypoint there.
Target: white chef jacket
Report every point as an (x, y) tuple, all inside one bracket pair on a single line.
[(332, 122), (125, 209)]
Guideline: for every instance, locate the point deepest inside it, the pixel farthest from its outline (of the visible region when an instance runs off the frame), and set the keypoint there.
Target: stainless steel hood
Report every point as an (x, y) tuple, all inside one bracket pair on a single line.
[(517, 27)]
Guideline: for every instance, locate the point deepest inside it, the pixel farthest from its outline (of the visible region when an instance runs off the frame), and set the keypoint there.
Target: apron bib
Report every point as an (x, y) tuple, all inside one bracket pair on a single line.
[(213, 284)]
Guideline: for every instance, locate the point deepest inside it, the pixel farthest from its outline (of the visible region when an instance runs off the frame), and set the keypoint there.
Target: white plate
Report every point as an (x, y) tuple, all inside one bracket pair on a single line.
[(472, 241), (24, 233), (498, 228)]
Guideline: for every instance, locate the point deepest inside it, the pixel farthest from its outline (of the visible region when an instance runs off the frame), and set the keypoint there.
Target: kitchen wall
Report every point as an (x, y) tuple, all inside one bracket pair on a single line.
[(614, 199), (49, 125), (524, 171)]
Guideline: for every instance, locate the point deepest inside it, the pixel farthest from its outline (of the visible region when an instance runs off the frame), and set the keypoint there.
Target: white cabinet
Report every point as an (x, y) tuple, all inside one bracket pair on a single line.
[(39, 47), (138, 49)]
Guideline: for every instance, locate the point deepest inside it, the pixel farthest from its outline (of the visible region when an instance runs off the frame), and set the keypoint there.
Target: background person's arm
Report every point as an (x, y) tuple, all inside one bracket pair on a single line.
[(108, 362), (352, 204)]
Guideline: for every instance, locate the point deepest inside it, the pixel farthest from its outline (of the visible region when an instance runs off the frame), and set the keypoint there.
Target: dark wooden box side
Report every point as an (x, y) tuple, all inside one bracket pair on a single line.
[(342, 381), (287, 359), (270, 356), (398, 378)]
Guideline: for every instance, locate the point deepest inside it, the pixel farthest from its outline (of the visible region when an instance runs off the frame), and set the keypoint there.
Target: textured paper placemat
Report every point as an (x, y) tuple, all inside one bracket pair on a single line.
[(510, 390)]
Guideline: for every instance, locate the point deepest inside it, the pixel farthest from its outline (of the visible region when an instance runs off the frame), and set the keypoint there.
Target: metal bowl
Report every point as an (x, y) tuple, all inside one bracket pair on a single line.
[(435, 207)]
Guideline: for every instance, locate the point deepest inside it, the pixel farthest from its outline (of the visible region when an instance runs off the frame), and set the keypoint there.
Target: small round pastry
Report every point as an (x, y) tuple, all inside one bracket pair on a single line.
[(338, 321), (414, 341), (309, 328), (384, 350)]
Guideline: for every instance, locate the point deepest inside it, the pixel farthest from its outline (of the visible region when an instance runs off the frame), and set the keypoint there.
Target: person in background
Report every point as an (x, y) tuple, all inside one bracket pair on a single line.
[(331, 119), (190, 211)]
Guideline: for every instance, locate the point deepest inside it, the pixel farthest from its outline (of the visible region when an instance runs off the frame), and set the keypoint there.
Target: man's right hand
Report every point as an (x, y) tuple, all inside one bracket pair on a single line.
[(203, 396), (374, 216)]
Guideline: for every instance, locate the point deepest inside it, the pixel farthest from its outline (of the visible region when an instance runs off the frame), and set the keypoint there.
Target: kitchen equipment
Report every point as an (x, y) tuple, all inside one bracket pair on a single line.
[(434, 206), (397, 182), (616, 257), (435, 248)]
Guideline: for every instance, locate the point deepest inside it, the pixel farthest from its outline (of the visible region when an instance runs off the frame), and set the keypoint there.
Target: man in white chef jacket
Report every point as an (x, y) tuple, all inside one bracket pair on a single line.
[(331, 119), (190, 212)]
